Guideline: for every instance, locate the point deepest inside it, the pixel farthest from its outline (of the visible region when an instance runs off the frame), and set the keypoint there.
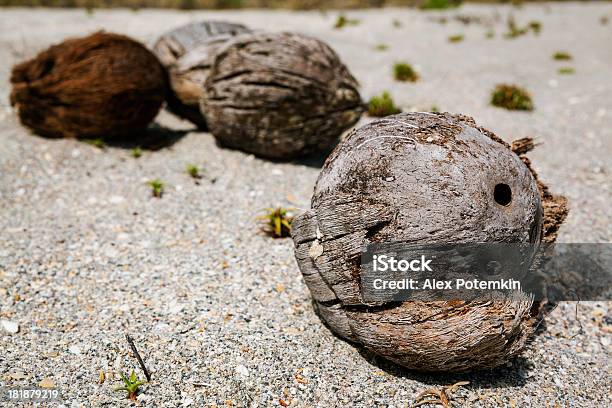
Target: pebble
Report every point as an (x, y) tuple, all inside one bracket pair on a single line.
[(242, 371), (10, 326), (47, 383), (18, 375), (74, 349)]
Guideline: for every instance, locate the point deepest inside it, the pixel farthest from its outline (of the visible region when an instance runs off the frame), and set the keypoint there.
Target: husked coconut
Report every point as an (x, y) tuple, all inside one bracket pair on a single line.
[(101, 86), (187, 53), (279, 95), (423, 178)]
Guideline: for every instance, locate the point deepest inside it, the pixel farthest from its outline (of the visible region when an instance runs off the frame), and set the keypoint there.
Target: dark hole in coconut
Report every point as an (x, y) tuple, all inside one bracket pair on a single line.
[(502, 194)]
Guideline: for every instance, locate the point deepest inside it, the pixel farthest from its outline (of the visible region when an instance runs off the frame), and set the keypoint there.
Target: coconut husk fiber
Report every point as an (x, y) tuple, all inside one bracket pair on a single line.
[(101, 86), (423, 178), (188, 53)]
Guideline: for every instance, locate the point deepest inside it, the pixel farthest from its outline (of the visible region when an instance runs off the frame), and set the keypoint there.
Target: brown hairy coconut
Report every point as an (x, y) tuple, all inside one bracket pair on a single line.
[(188, 53), (101, 86), (423, 178), (279, 95)]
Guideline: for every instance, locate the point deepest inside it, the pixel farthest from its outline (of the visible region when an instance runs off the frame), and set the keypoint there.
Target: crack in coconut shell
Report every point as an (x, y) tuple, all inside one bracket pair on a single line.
[(101, 86), (383, 182)]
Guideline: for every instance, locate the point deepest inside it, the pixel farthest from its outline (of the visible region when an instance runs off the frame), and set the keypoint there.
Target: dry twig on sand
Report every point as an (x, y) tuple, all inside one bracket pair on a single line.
[(441, 396)]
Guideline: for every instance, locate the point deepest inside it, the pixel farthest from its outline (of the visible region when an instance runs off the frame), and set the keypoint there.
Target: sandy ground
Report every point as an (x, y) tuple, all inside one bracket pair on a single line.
[(220, 311)]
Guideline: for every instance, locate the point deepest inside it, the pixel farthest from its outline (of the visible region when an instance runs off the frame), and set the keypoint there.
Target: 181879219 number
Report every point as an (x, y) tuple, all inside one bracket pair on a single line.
[(31, 394)]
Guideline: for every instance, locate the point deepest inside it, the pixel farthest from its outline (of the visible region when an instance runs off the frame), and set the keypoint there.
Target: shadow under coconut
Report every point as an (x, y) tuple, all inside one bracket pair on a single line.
[(501, 377), (315, 160), (155, 137)]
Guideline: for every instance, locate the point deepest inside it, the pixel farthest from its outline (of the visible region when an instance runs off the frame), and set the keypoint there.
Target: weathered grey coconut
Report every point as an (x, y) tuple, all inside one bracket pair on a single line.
[(279, 95), (425, 178), (188, 53)]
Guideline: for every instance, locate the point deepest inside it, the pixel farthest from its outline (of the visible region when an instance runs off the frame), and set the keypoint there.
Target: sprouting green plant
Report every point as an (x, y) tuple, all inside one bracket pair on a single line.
[(513, 29), (490, 34), (381, 47), (562, 56), (404, 72), (434, 108), (397, 23), (99, 143), (193, 171), (566, 70), (535, 26), (456, 38), (89, 10), (439, 4), (382, 105), (511, 97), (136, 152), (130, 384), (343, 21), (277, 222), (157, 187)]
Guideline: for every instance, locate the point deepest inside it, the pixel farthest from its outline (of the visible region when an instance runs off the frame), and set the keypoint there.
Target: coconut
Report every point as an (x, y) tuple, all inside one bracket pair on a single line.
[(188, 53), (101, 86), (424, 178), (279, 95)]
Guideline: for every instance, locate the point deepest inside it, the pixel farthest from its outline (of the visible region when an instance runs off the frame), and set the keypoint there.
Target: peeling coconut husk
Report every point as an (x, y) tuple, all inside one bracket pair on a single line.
[(424, 178), (187, 53), (101, 86), (279, 95), (554, 206)]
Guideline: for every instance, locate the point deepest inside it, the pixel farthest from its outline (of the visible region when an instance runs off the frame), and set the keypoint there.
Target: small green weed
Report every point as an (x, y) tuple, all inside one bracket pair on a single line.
[(439, 4), (194, 171), (136, 152), (566, 71), (382, 105), (157, 187), (535, 26), (562, 56), (404, 72), (277, 222), (343, 21), (456, 38), (130, 384), (99, 143), (511, 97), (515, 31)]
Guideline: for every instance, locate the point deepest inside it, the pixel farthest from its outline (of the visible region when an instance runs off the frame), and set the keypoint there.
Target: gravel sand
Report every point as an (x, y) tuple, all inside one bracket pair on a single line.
[(219, 311)]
